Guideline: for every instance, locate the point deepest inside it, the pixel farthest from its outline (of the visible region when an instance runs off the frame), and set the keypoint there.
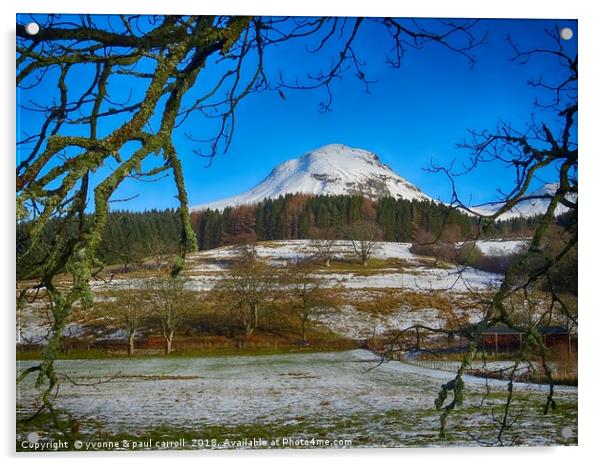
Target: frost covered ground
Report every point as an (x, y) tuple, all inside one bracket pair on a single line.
[(342, 395)]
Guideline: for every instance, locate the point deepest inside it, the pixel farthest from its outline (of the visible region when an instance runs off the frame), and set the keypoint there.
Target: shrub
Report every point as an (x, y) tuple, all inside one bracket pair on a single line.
[(470, 254)]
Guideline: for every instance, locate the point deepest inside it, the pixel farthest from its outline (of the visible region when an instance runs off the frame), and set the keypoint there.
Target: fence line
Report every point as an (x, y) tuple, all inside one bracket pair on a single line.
[(448, 366)]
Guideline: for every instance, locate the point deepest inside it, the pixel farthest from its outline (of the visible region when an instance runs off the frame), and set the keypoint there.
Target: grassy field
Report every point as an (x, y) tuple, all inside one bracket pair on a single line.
[(227, 401), (206, 352)]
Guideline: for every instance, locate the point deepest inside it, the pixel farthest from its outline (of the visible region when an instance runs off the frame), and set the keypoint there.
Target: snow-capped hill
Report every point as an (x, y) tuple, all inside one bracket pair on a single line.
[(329, 170), (530, 207)]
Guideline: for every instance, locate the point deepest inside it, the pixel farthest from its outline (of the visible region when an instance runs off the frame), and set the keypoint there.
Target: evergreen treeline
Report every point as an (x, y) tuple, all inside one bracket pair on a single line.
[(128, 238), (517, 227), (295, 216), (131, 236)]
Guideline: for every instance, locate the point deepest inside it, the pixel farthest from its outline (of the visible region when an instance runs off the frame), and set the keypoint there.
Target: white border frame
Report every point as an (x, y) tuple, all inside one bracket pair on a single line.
[(589, 261)]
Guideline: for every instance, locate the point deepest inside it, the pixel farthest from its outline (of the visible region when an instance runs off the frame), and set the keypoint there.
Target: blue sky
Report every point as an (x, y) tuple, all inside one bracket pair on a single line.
[(413, 115)]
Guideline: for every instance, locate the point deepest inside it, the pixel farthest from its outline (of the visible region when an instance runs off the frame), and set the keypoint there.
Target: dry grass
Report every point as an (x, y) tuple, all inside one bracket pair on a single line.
[(388, 300)]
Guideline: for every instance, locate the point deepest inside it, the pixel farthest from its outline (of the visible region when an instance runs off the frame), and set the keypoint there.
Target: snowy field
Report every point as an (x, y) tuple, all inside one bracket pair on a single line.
[(333, 395), (501, 247), (205, 268), (415, 275), (284, 251), (279, 251)]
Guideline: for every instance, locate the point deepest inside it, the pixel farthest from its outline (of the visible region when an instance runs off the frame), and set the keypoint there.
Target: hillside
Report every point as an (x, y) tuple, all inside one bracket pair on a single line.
[(334, 169), (417, 289)]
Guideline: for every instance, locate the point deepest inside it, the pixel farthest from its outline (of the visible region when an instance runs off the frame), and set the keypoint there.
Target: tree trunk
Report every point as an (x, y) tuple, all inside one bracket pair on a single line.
[(251, 323), (327, 262), (131, 345), (168, 341), (304, 330)]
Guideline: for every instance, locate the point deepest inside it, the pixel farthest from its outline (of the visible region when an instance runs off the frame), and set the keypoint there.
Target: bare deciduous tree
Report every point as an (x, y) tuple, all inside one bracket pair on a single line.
[(307, 296), (131, 310), (323, 242), (170, 302), (364, 236), (247, 287), (159, 253), (545, 147)]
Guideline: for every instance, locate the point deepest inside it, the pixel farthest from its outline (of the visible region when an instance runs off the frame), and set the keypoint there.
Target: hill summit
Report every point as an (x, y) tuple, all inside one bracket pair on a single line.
[(334, 169)]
